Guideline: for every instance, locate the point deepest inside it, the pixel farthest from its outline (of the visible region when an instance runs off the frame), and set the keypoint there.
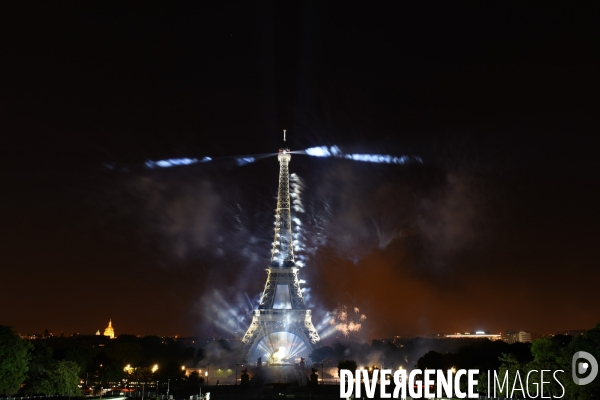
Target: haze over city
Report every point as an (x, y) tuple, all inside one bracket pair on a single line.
[(491, 225)]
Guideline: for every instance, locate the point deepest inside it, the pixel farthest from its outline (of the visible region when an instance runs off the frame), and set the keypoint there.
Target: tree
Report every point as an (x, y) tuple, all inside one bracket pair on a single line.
[(111, 372), (482, 386), (509, 365), (171, 370), (62, 377), (590, 343), (125, 350), (39, 366), (14, 360), (81, 355), (319, 355), (65, 377), (188, 353), (195, 378), (347, 364), (431, 360), (548, 354), (200, 354)]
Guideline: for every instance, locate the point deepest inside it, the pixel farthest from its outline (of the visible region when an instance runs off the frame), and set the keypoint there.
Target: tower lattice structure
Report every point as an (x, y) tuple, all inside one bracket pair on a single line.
[(273, 315)]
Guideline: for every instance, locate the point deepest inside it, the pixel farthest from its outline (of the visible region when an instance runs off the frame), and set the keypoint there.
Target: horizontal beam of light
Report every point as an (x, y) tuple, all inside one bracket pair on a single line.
[(319, 151), (280, 347), (334, 151), (174, 162)]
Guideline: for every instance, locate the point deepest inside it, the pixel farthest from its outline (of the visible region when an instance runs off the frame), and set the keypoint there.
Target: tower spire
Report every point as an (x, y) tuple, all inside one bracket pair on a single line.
[(282, 254), (282, 310)]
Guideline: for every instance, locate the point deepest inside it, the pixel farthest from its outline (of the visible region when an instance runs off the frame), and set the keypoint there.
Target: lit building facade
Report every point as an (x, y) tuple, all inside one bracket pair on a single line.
[(109, 331), (514, 336), (476, 335)]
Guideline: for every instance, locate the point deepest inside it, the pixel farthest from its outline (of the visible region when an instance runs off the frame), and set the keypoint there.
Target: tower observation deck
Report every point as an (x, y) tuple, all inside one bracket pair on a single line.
[(281, 327)]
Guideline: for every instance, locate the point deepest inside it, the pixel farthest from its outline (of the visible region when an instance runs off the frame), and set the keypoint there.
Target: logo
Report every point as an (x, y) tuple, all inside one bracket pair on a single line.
[(583, 367)]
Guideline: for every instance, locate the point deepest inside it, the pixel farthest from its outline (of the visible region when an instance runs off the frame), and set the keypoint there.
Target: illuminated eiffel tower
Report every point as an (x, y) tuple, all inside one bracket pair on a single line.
[(281, 327)]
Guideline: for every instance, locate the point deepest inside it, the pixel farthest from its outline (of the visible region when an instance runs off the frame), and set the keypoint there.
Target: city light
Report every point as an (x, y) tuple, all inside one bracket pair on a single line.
[(155, 368)]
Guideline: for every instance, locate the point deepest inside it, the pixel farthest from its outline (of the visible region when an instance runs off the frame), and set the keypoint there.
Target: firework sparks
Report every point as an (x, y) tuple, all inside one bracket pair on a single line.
[(347, 321)]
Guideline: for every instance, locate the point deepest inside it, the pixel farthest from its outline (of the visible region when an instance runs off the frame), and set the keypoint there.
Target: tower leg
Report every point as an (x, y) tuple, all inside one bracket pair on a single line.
[(267, 322)]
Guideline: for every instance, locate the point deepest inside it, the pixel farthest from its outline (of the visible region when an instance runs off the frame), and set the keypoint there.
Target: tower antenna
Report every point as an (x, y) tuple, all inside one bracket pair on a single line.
[(284, 135)]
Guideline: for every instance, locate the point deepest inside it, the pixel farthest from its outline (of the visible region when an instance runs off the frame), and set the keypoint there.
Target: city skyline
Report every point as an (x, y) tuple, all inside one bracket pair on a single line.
[(217, 336)]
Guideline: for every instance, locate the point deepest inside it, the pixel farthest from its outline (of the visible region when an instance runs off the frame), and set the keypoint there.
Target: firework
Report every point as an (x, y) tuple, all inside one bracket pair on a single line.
[(347, 321)]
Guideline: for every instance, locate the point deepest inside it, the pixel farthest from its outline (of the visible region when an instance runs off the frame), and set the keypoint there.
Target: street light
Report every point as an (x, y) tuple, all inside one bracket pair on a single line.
[(236, 369), (168, 387), (143, 383), (156, 388)]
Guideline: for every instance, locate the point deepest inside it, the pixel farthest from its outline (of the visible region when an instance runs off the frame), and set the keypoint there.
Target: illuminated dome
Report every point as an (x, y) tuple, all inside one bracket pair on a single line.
[(110, 332)]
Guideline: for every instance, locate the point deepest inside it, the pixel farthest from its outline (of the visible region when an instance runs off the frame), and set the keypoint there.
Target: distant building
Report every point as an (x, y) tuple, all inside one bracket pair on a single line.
[(514, 337), (476, 335), (524, 337), (435, 335), (28, 336), (510, 337), (109, 331)]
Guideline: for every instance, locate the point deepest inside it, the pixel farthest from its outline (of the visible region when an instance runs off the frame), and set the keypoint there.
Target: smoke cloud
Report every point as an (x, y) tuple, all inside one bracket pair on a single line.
[(342, 210)]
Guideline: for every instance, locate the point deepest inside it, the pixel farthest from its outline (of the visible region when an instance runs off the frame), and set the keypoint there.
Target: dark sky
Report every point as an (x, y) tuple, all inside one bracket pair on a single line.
[(496, 230)]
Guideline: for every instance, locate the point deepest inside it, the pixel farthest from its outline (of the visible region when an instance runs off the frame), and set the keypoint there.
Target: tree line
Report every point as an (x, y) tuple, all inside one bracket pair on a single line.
[(59, 365), (521, 363)]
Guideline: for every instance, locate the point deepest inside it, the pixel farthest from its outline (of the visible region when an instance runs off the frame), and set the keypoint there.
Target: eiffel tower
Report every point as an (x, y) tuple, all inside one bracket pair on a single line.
[(282, 326)]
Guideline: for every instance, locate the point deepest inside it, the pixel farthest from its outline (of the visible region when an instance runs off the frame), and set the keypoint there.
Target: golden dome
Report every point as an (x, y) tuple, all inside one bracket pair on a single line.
[(110, 332)]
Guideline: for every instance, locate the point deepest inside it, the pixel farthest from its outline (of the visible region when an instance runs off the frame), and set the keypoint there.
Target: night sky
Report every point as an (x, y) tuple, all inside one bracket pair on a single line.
[(497, 229)]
